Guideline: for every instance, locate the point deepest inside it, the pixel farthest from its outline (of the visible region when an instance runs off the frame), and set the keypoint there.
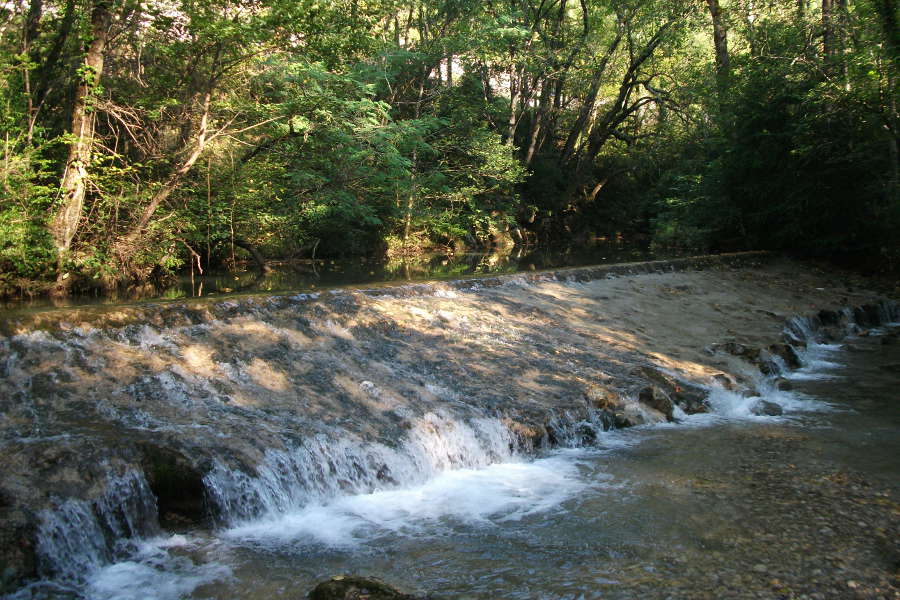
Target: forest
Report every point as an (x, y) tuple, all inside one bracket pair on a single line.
[(143, 136)]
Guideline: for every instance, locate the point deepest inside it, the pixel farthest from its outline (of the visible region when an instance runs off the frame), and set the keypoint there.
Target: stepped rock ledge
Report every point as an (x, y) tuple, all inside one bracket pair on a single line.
[(154, 400)]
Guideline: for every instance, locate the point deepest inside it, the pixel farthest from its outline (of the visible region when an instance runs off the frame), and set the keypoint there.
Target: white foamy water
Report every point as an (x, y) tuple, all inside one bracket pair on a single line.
[(155, 571), (495, 493), (819, 361)]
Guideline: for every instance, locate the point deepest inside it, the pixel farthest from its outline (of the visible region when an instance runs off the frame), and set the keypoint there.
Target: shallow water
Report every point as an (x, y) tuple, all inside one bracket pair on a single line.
[(688, 505)]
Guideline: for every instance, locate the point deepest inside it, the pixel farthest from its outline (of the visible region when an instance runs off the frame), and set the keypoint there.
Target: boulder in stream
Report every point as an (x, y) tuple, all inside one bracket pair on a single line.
[(656, 398), (766, 408), (787, 354), (354, 587), (691, 398)]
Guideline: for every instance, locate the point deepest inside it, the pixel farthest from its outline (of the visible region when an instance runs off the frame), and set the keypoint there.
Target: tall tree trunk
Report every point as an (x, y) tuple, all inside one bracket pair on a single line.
[(48, 64), (720, 40), (827, 30), (587, 107), (887, 16), (514, 111), (537, 123), (74, 181), (414, 167)]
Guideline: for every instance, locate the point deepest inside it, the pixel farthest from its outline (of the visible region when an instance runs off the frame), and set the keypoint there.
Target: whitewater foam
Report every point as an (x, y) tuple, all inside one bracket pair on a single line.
[(499, 492)]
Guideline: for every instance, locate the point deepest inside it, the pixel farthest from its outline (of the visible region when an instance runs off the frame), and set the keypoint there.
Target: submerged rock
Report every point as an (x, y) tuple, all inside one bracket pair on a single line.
[(353, 587), (783, 384), (767, 408)]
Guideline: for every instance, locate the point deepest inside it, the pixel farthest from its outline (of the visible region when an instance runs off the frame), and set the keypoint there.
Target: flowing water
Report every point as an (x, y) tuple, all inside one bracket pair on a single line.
[(462, 513)]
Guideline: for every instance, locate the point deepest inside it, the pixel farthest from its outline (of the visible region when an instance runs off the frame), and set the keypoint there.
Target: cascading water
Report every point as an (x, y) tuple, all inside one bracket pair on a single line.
[(284, 467), (78, 537), (326, 467)]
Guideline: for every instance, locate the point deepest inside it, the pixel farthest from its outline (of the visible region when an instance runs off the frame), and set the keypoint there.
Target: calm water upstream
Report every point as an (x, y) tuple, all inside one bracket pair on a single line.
[(720, 505), (327, 274)]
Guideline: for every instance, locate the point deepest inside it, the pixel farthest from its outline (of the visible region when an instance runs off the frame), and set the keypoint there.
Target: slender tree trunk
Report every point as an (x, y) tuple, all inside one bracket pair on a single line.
[(827, 30), (74, 181), (32, 23), (537, 125), (414, 167), (587, 107), (720, 40), (48, 63), (887, 16), (514, 101)]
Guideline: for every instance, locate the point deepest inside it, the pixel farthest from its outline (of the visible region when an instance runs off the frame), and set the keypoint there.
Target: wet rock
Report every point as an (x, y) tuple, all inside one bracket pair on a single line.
[(725, 381), (829, 317), (635, 413), (767, 408), (609, 405), (18, 560), (527, 435), (832, 334), (352, 587), (177, 484), (602, 397), (656, 398), (760, 357), (867, 315), (787, 354), (736, 349), (689, 397), (890, 339), (794, 340)]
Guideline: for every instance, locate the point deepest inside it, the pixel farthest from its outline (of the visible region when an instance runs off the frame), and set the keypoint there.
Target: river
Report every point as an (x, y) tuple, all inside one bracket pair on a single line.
[(725, 504)]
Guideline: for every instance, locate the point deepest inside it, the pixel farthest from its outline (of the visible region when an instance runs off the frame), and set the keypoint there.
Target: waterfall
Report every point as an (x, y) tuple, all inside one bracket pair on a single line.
[(79, 536), (327, 466)]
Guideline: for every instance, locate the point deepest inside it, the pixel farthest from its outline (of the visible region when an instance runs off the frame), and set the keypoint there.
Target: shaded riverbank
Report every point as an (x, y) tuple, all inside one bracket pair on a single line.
[(234, 414)]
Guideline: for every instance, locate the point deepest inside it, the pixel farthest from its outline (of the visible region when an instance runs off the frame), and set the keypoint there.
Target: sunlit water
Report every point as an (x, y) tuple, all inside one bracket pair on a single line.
[(575, 523)]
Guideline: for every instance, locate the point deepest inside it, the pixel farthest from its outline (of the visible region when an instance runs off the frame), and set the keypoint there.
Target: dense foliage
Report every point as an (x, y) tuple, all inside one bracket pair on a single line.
[(139, 136)]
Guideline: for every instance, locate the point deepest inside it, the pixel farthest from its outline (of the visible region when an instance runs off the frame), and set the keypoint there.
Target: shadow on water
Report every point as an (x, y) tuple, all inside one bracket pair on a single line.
[(315, 275)]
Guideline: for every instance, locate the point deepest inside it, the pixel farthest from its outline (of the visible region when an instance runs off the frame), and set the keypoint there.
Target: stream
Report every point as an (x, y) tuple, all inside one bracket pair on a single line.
[(724, 504)]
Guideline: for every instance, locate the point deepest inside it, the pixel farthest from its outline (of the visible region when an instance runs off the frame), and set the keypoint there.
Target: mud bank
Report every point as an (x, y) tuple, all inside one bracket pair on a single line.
[(117, 423)]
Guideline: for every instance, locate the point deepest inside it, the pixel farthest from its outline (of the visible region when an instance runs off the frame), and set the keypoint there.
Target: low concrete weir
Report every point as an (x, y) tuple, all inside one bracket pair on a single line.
[(118, 423), (201, 310)]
